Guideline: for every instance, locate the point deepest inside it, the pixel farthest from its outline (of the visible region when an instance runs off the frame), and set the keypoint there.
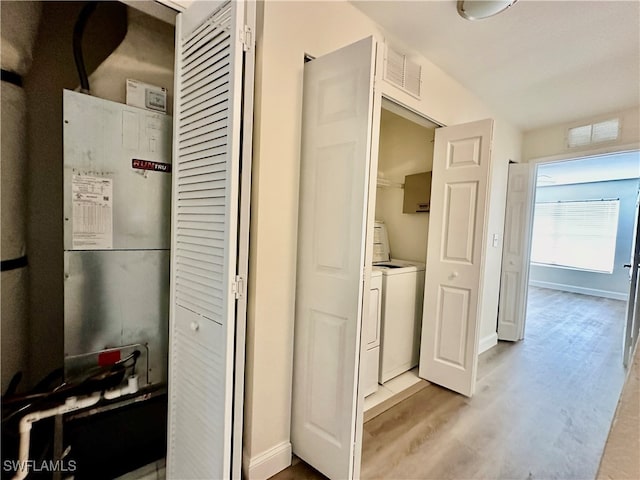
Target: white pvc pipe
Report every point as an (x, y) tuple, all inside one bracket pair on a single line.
[(132, 387), (71, 404)]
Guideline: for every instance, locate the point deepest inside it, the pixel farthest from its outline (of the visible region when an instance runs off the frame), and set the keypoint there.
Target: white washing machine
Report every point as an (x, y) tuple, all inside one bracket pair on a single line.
[(401, 310), (371, 335)]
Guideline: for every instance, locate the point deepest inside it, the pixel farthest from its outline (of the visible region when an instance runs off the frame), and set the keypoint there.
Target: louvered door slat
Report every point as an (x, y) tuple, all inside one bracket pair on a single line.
[(201, 250), (196, 113), (217, 187), (217, 138), (201, 178), (199, 286), (201, 194), (207, 71), (206, 39), (197, 64), (209, 167), (211, 262), (198, 271), (187, 124), (205, 242), (201, 126), (215, 76), (214, 152), (218, 21), (201, 36), (208, 226), (194, 202), (211, 98), (200, 261), (206, 162), (205, 88), (204, 211), (205, 203), (204, 306)]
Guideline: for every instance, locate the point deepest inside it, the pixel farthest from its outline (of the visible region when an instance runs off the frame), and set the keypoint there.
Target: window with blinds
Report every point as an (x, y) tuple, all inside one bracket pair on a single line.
[(606, 131), (576, 234)]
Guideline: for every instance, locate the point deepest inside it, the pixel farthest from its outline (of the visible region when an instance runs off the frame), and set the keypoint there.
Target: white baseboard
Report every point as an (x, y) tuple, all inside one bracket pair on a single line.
[(268, 463), (487, 342), (584, 291)]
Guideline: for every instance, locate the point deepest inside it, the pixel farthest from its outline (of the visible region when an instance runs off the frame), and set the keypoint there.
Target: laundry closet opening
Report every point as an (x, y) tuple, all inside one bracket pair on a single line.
[(340, 143), (392, 328)]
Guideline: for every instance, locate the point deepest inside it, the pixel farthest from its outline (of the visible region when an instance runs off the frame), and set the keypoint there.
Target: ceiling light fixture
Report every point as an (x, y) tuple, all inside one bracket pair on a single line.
[(479, 9)]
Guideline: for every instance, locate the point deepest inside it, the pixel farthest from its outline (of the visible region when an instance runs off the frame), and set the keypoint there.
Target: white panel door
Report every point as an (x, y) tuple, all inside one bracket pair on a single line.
[(334, 189), (450, 328), (207, 153), (514, 279), (633, 322)]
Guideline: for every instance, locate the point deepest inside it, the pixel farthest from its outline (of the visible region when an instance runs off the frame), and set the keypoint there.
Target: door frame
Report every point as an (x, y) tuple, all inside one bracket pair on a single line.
[(563, 157), (632, 321), (371, 203), (244, 221)]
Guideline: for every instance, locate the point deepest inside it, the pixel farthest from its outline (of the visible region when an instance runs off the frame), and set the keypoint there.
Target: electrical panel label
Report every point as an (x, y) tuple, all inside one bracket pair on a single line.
[(148, 165), (92, 212)]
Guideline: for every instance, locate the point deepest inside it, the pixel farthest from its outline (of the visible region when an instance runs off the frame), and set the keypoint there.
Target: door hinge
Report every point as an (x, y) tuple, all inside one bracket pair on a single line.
[(237, 287), (246, 38)]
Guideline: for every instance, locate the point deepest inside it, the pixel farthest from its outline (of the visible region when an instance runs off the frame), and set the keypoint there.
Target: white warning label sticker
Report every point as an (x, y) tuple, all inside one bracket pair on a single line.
[(92, 212)]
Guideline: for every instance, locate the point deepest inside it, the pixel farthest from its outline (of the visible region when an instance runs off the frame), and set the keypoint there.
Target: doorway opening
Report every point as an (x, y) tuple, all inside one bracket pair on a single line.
[(393, 325), (335, 259), (582, 238)]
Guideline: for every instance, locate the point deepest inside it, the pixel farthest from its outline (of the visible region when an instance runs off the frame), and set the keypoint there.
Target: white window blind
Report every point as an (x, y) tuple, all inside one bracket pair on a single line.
[(594, 133), (576, 234)]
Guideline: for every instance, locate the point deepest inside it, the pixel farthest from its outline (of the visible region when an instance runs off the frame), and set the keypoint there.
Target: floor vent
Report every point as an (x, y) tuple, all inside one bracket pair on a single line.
[(402, 72)]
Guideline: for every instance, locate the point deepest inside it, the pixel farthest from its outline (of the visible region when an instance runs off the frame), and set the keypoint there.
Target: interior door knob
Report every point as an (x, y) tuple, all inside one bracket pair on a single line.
[(195, 326), (453, 275)]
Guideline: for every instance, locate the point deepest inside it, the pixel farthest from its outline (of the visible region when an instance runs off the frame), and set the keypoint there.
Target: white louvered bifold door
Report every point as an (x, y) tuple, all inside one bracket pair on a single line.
[(207, 114)]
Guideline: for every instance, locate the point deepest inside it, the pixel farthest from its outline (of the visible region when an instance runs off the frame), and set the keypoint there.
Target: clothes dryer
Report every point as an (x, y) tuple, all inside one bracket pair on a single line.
[(401, 312)]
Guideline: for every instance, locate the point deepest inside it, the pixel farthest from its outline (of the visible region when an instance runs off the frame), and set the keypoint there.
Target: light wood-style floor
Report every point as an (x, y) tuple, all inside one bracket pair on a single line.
[(542, 407)]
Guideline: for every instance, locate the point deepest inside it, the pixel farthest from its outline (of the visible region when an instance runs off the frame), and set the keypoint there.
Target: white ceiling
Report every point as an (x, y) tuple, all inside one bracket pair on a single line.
[(539, 63)]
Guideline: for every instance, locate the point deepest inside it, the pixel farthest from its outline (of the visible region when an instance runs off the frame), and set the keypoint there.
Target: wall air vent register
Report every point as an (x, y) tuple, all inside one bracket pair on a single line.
[(402, 72)]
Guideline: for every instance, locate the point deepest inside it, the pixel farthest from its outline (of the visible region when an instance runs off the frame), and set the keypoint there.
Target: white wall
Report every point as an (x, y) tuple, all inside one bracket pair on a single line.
[(507, 145), (145, 54), (286, 31), (551, 141), (405, 148)]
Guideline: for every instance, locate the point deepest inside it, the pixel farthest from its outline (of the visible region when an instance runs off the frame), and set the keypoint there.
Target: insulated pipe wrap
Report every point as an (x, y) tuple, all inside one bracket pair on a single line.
[(14, 328), (14, 169), (20, 22), (19, 27)]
